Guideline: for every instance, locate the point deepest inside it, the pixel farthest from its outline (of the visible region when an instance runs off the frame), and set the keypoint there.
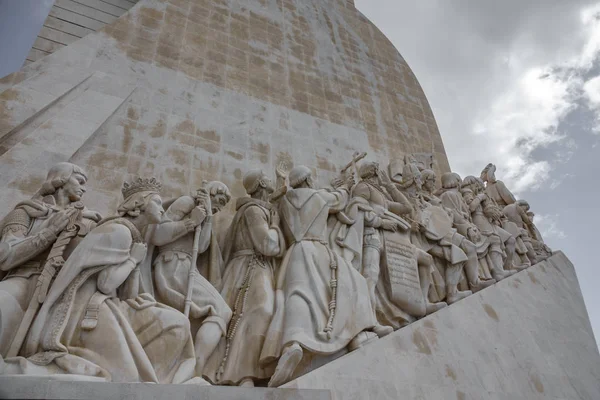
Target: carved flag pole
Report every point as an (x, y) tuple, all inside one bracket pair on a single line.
[(192, 273), (52, 266), (193, 267)]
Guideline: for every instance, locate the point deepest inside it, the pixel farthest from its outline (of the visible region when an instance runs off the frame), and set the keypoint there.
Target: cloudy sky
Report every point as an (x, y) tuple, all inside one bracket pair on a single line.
[(516, 83)]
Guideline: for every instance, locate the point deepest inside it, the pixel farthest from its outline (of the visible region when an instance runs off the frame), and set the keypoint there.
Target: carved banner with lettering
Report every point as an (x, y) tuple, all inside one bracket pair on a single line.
[(401, 270)]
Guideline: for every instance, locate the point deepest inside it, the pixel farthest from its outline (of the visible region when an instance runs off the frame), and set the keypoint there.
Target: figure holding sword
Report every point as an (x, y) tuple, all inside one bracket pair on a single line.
[(34, 242)]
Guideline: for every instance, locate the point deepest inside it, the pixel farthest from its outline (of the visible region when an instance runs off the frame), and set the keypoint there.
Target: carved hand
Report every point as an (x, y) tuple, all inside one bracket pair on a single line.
[(274, 218), (337, 183), (198, 215), (415, 226), (389, 226), (384, 177), (281, 170), (203, 199), (59, 221), (138, 252)]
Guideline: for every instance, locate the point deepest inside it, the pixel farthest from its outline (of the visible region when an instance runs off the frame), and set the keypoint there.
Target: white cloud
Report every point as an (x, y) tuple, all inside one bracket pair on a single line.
[(592, 93), (526, 115), (507, 82), (548, 226), (556, 182), (524, 118)]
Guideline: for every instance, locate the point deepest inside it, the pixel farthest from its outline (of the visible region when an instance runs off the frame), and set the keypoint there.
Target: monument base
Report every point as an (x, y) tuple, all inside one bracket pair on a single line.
[(526, 337), (28, 387)]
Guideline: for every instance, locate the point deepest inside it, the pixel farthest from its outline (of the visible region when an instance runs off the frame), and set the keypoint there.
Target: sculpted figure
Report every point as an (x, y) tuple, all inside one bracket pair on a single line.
[(542, 251), (497, 190), (517, 214), (321, 303), (429, 191), (490, 220), (254, 243), (485, 236), (94, 323), (435, 234), (177, 281), (28, 234), (375, 187)]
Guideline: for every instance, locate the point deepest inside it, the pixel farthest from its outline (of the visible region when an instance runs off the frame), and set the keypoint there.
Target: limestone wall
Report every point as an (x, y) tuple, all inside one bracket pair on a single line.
[(527, 337), (188, 90)]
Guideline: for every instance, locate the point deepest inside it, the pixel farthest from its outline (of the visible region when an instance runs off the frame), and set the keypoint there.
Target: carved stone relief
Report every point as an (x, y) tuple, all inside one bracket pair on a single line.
[(149, 295)]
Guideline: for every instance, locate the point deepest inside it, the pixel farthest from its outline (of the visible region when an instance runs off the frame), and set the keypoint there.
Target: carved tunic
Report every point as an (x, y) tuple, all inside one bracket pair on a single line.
[(387, 312), (23, 250), (172, 269), (249, 289), (321, 301)]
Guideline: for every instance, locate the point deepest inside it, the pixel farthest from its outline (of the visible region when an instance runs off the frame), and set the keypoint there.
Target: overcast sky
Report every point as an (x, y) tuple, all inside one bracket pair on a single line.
[(516, 83)]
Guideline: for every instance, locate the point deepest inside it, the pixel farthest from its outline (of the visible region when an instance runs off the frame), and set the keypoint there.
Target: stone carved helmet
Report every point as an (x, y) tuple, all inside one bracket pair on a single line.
[(299, 175), (411, 175), (524, 204), (58, 176), (473, 183), (451, 180), (428, 176)]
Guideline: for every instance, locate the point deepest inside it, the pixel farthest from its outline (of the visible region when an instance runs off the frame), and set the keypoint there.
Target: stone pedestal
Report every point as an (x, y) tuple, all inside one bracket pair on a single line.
[(526, 337)]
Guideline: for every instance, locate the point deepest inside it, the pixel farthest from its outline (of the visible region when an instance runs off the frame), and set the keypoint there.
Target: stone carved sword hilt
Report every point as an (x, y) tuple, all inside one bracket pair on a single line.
[(53, 264)]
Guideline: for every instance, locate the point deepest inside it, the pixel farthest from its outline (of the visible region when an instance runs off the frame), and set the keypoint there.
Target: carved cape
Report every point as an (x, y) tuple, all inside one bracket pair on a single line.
[(81, 331), (249, 289)]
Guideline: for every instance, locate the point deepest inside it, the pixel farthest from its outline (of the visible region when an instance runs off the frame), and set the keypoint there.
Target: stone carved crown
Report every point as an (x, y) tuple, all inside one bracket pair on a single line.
[(141, 185)]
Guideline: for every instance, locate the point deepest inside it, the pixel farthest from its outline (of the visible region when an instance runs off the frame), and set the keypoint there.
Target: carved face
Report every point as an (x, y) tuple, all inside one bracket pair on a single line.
[(429, 184), (154, 209), (74, 188), (218, 202), (266, 183)]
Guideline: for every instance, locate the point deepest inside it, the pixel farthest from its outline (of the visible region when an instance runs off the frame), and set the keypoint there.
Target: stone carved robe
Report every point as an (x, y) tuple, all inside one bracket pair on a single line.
[(23, 251), (171, 267), (250, 253), (93, 335), (304, 291)]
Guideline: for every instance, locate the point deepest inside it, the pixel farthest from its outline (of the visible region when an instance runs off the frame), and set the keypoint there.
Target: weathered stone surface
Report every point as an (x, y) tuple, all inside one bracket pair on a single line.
[(44, 388), (214, 86), (527, 337)]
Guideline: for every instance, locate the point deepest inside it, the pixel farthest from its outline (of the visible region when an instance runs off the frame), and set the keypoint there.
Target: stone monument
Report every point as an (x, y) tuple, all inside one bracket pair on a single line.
[(350, 274)]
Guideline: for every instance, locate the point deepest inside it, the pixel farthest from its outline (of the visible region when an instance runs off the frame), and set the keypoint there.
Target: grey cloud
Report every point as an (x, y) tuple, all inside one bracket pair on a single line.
[(465, 54)]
